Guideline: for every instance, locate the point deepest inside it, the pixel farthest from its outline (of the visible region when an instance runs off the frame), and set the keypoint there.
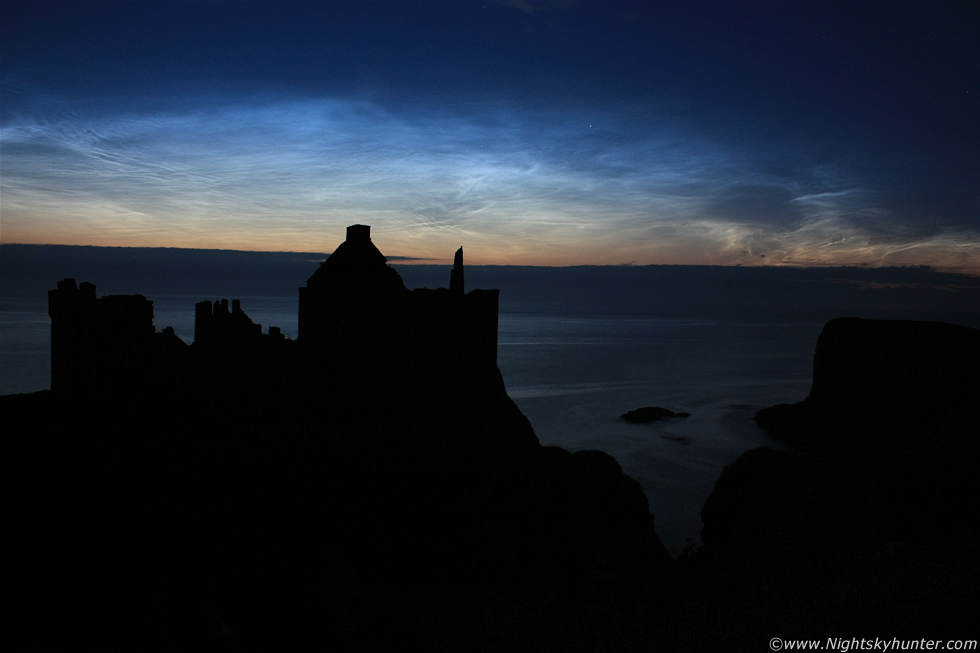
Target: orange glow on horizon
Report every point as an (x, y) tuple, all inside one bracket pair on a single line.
[(477, 254), (539, 246)]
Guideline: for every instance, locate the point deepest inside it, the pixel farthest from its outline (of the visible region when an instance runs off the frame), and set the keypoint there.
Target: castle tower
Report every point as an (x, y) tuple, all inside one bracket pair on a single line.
[(357, 318), (98, 344), (352, 296)]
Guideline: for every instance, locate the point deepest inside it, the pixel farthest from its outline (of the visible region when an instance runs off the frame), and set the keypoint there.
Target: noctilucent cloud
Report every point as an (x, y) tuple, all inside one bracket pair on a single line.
[(532, 132)]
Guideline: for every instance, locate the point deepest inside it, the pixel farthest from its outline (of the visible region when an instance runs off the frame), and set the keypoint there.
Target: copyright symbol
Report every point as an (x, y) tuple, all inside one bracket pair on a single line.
[(775, 644)]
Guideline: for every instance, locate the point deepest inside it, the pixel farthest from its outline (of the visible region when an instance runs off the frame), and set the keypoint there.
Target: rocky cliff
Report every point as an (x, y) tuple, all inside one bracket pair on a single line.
[(881, 385), (866, 523)]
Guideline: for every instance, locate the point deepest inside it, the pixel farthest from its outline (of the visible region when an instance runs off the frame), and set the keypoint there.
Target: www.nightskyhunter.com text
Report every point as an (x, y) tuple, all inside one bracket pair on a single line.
[(865, 644)]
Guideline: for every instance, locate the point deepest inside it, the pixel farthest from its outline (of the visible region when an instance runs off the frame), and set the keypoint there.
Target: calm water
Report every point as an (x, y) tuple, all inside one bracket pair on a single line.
[(573, 375)]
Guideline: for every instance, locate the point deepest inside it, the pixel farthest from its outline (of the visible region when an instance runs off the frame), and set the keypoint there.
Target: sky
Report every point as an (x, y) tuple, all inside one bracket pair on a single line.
[(530, 132)]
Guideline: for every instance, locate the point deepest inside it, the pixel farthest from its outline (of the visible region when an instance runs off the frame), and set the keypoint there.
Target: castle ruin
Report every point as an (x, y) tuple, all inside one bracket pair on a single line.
[(356, 319)]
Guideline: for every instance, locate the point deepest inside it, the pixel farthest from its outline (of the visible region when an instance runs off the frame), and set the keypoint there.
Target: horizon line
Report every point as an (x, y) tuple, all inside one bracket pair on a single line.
[(418, 260)]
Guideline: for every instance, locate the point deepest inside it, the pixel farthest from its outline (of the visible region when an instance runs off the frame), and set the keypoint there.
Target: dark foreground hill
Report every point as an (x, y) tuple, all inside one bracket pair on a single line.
[(437, 521)]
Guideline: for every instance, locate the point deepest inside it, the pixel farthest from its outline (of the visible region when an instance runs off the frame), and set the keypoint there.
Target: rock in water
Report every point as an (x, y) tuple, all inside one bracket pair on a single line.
[(649, 414)]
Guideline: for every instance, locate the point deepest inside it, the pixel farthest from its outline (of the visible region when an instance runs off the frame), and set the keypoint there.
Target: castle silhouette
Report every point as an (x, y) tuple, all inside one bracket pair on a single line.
[(357, 321), (290, 483)]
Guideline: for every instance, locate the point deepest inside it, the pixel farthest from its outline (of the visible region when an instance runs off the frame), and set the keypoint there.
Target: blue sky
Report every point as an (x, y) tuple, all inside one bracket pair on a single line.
[(531, 132)]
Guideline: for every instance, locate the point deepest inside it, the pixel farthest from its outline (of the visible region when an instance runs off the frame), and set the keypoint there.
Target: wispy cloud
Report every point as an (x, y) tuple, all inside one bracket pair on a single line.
[(517, 185)]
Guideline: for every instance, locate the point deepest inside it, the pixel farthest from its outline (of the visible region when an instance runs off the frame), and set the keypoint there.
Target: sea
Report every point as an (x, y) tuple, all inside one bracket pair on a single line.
[(574, 370)]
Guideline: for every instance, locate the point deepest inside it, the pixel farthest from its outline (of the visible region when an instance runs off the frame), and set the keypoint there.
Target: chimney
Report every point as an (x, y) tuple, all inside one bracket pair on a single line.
[(359, 233)]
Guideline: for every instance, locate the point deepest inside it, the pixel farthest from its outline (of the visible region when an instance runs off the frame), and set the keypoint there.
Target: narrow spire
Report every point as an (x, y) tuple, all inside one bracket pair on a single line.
[(456, 276)]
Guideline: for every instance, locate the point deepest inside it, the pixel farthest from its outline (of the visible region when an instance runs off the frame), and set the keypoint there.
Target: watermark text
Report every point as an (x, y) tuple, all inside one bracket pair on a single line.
[(843, 645)]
